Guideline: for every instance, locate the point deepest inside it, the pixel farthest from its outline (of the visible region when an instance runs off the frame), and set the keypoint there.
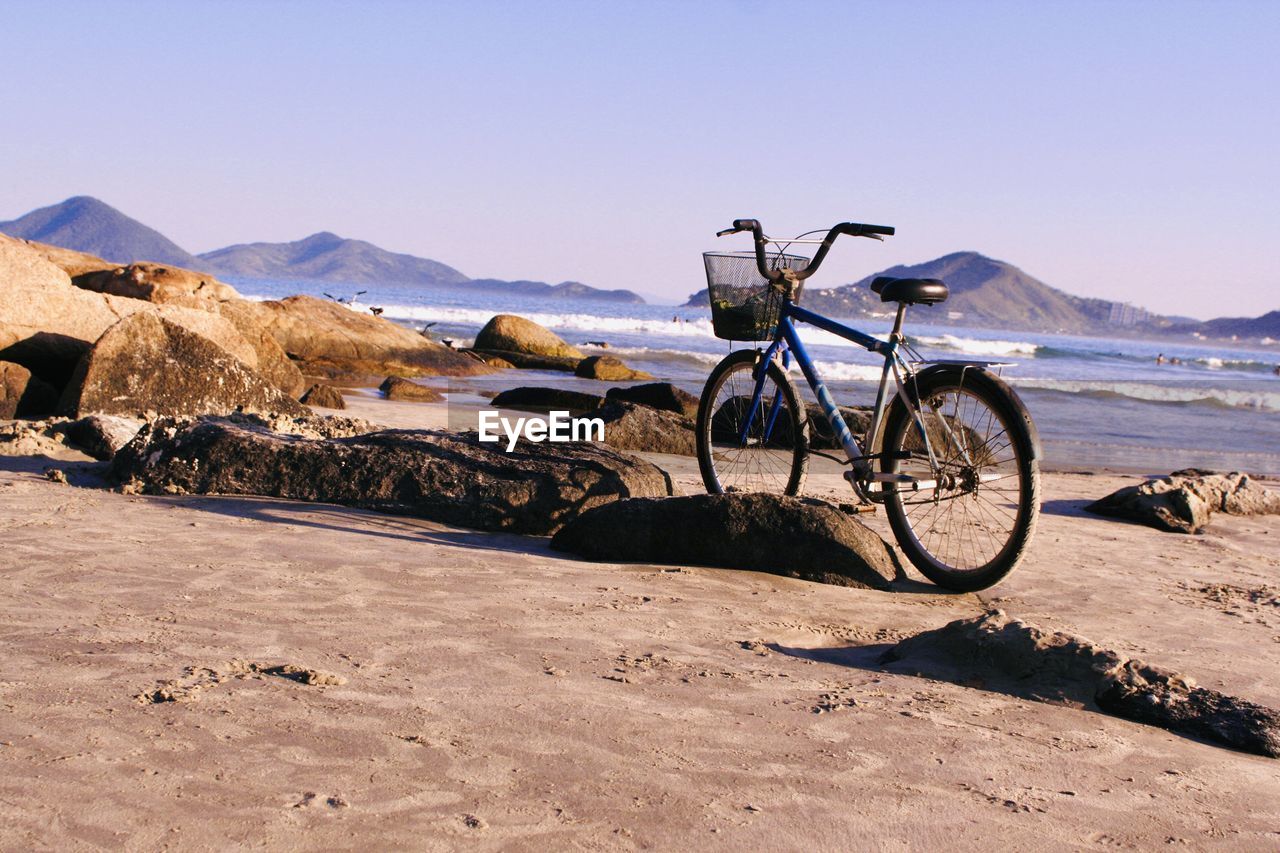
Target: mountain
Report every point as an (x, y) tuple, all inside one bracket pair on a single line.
[(88, 225), (563, 290), (984, 292), (92, 226), (328, 257), (1266, 326)]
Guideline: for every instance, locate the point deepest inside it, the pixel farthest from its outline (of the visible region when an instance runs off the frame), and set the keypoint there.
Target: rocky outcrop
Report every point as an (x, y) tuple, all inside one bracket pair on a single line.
[(156, 283), (1011, 656), (329, 340), (794, 537), (630, 426), (1185, 501), (507, 332), (23, 395), (324, 396), (399, 388), (45, 321), (524, 360), (273, 364), (145, 363), (609, 369), (533, 399), (821, 436), (447, 477), (658, 395)]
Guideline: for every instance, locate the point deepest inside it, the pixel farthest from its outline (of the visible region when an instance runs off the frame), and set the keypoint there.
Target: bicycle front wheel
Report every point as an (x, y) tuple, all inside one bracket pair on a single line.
[(973, 527), (746, 449)]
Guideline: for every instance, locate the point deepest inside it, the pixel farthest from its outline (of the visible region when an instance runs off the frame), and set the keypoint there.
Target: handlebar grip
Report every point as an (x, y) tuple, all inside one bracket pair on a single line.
[(746, 225), (858, 229)]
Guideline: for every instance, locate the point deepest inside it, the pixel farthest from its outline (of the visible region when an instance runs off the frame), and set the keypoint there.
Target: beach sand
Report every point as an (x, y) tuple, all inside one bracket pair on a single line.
[(455, 688)]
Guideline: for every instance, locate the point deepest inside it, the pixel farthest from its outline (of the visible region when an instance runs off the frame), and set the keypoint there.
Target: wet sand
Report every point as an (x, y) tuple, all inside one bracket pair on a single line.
[(345, 679)]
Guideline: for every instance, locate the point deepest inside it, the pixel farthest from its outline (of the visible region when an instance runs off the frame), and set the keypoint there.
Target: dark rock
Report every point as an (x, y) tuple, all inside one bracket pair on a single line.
[(532, 399), (794, 537), (448, 477), (324, 396), (100, 436), (147, 364), (399, 388), (630, 426), (524, 360), (821, 436), (507, 332), (1184, 501), (157, 283), (658, 395), (51, 357), (23, 395), (1011, 656), (608, 369)]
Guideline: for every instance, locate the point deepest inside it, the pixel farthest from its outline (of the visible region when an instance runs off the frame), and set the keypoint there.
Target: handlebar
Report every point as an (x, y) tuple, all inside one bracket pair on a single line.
[(853, 229)]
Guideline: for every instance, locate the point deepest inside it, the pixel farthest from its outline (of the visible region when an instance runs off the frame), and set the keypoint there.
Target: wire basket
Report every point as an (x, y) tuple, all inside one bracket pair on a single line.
[(743, 305)]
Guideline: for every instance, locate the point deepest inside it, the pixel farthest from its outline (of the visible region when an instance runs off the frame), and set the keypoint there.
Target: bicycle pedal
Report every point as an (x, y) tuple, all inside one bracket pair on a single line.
[(857, 509)]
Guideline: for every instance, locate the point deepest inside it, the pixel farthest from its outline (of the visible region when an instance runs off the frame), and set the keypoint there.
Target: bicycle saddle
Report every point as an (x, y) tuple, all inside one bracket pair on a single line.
[(924, 291)]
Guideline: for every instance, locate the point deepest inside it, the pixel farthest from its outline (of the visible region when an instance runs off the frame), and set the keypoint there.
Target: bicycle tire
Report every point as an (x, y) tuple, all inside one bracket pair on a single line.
[(961, 543), (788, 444)]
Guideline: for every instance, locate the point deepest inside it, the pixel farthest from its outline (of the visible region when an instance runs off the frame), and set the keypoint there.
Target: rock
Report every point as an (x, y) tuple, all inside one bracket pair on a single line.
[(658, 395), (274, 365), (307, 426), (38, 301), (448, 477), (399, 388), (794, 537), (144, 363), (157, 283), (630, 426), (1184, 501), (516, 334), (533, 399), (524, 361), (31, 438), (100, 436), (821, 436), (996, 652), (324, 396), (329, 340), (70, 261), (607, 368), (23, 395)]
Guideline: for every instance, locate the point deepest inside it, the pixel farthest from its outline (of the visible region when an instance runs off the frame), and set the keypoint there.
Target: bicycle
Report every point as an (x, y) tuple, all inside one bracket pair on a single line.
[(951, 453)]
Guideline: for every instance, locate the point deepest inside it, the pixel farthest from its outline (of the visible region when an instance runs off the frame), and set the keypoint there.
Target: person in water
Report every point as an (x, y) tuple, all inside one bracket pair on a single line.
[(1160, 358)]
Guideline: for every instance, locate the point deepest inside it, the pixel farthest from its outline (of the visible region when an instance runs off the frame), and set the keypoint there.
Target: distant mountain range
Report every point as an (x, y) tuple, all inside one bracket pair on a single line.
[(89, 225), (995, 294)]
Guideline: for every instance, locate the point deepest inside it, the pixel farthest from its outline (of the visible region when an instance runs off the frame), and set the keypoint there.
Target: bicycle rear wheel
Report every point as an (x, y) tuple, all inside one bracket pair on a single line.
[(775, 453), (970, 531)]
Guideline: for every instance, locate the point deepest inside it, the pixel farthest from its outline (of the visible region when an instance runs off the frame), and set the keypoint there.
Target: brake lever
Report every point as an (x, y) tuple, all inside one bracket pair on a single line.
[(728, 231), (872, 237)]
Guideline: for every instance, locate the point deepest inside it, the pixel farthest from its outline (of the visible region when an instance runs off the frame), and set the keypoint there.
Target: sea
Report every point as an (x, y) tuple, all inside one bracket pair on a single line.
[(1098, 401)]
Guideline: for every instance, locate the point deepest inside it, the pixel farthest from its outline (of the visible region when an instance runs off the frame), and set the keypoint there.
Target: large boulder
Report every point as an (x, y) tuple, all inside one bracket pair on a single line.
[(1184, 501), (144, 363), (45, 321), (795, 537), (658, 395), (251, 320), (533, 399), (1008, 655), (100, 436), (821, 436), (630, 426), (453, 478), (70, 261), (24, 395), (608, 369), (516, 334), (330, 340), (157, 283), (406, 390)]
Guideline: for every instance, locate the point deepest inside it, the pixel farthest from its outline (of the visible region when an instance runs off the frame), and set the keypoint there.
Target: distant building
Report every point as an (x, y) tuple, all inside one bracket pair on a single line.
[(1124, 314)]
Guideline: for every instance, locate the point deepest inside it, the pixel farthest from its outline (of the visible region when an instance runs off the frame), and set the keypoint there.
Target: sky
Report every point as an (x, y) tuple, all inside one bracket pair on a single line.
[(1121, 150)]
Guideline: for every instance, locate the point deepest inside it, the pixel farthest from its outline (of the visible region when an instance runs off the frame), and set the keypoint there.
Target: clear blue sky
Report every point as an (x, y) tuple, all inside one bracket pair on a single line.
[(1119, 150)]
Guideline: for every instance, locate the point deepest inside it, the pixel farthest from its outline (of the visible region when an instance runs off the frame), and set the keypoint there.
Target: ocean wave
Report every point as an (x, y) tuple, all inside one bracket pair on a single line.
[(843, 370), (661, 354), (976, 346), (1221, 397)]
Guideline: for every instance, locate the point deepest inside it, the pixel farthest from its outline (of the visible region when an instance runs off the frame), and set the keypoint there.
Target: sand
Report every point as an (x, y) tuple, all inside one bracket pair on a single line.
[(200, 672)]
